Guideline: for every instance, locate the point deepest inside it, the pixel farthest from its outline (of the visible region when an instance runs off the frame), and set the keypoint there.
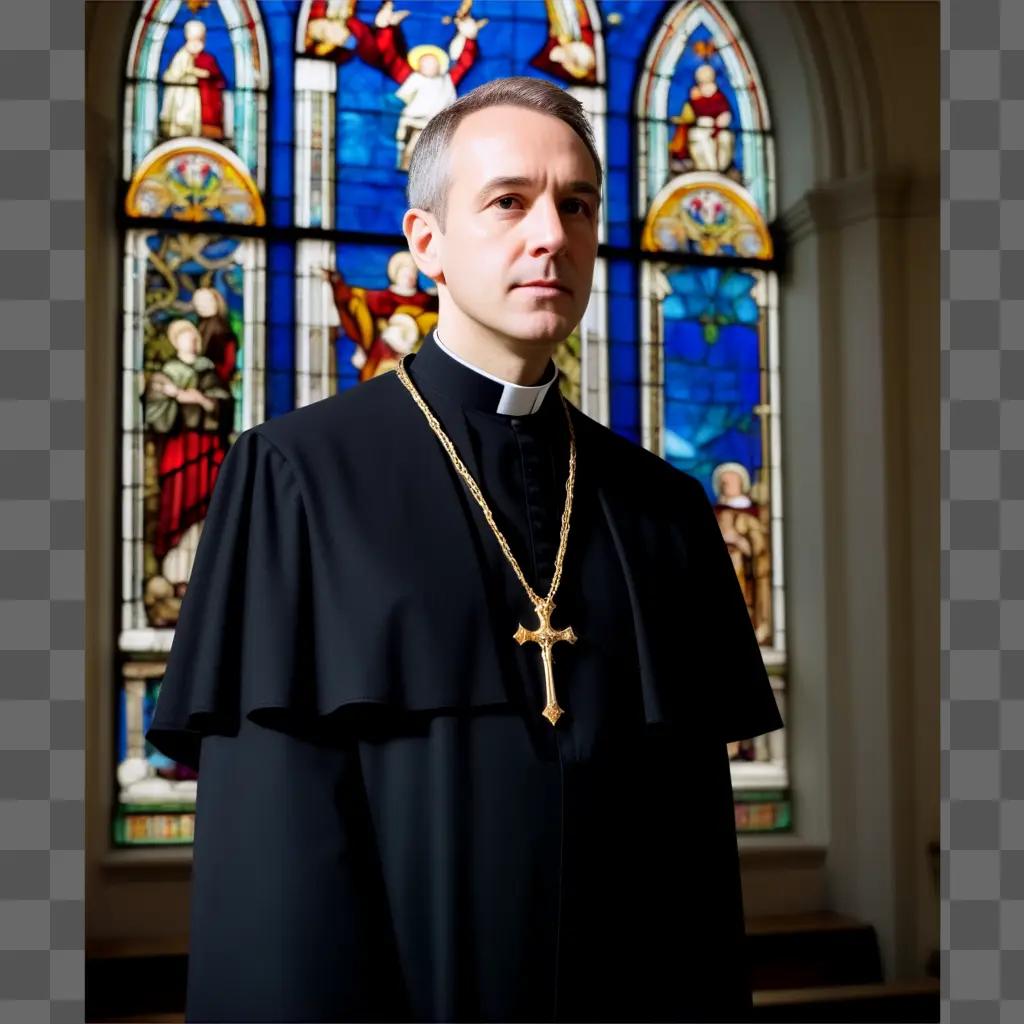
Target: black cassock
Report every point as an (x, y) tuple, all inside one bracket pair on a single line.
[(387, 829)]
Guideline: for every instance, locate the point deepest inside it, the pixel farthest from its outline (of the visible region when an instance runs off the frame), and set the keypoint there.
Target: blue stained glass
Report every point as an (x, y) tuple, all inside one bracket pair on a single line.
[(628, 26), (625, 416), (368, 116), (624, 394), (623, 361), (371, 188), (620, 220), (620, 141), (711, 372), (712, 296), (281, 330), (281, 210), (279, 21)]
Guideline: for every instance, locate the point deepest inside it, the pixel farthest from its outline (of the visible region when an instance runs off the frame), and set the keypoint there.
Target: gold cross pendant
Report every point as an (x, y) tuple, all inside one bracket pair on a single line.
[(546, 637)]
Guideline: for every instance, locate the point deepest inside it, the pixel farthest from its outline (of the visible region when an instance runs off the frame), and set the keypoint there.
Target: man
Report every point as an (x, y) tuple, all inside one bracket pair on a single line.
[(410, 809)]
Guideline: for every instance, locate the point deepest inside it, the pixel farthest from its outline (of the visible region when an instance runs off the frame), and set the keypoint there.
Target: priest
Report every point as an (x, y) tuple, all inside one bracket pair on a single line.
[(458, 665)]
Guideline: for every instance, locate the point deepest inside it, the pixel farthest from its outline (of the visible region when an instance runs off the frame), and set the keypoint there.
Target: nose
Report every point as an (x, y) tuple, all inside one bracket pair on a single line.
[(546, 232)]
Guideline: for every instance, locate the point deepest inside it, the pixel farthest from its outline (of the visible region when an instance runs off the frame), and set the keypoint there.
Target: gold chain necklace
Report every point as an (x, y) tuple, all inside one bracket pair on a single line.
[(544, 635)]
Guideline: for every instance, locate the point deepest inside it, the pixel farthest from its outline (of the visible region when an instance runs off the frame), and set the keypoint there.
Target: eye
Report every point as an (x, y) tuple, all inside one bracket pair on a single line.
[(583, 207), (504, 199)]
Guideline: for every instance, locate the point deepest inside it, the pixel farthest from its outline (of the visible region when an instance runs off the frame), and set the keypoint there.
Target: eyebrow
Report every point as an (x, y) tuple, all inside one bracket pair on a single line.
[(514, 181)]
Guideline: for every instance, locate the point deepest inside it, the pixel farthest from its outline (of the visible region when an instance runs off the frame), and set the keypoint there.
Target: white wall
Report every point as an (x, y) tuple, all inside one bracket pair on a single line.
[(860, 392)]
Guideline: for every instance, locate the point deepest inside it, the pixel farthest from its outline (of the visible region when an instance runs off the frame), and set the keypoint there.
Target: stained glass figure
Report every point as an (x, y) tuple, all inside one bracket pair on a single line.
[(193, 99), (324, 30), (427, 74), (569, 53), (384, 323)]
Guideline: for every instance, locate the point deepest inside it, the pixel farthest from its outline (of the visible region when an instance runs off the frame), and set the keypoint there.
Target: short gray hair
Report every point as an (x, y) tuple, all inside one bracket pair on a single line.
[(428, 184)]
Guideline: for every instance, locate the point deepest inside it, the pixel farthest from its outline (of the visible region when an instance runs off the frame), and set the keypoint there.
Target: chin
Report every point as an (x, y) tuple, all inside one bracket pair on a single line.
[(544, 329)]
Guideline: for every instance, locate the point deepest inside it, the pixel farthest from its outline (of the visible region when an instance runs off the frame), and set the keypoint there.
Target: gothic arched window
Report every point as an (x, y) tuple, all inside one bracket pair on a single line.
[(265, 149), (707, 309), (194, 221)]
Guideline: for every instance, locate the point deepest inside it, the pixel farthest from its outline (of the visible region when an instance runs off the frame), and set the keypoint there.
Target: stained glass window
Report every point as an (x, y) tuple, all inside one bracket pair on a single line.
[(265, 156), (704, 187), (194, 345)]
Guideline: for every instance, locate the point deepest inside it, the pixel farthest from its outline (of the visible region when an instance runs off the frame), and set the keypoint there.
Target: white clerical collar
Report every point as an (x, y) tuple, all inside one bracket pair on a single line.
[(516, 399)]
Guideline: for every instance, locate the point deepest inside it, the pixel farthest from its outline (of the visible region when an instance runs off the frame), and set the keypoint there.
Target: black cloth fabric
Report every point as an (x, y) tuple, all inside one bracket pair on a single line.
[(387, 829)]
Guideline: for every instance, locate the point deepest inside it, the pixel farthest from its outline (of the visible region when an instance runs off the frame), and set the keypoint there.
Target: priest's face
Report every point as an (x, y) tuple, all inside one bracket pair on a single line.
[(523, 202)]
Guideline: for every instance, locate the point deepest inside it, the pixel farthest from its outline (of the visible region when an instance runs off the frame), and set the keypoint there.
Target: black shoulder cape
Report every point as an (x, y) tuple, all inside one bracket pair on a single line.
[(336, 533)]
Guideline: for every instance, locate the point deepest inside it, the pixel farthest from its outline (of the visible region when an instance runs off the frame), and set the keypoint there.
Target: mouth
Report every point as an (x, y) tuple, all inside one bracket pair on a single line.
[(545, 287)]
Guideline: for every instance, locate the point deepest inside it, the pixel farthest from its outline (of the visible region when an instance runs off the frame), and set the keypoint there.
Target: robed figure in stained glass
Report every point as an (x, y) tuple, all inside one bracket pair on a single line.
[(745, 533), (704, 139), (193, 103), (185, 404)]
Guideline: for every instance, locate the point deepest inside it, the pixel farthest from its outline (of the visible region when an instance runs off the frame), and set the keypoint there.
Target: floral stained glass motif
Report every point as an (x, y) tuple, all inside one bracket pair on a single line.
[(195, 181), (706, 213)]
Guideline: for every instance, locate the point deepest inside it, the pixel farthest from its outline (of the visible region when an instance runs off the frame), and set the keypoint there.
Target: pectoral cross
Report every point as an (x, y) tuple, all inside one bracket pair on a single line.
[(546, 637)]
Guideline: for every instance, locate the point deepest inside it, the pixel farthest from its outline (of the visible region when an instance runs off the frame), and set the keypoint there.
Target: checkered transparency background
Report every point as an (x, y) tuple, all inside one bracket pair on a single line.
[(42, 476), (983, 511), (42, 516)]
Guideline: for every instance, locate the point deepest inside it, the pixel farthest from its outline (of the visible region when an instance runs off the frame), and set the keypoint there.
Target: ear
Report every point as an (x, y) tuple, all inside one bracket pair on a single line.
[(424, 239)]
